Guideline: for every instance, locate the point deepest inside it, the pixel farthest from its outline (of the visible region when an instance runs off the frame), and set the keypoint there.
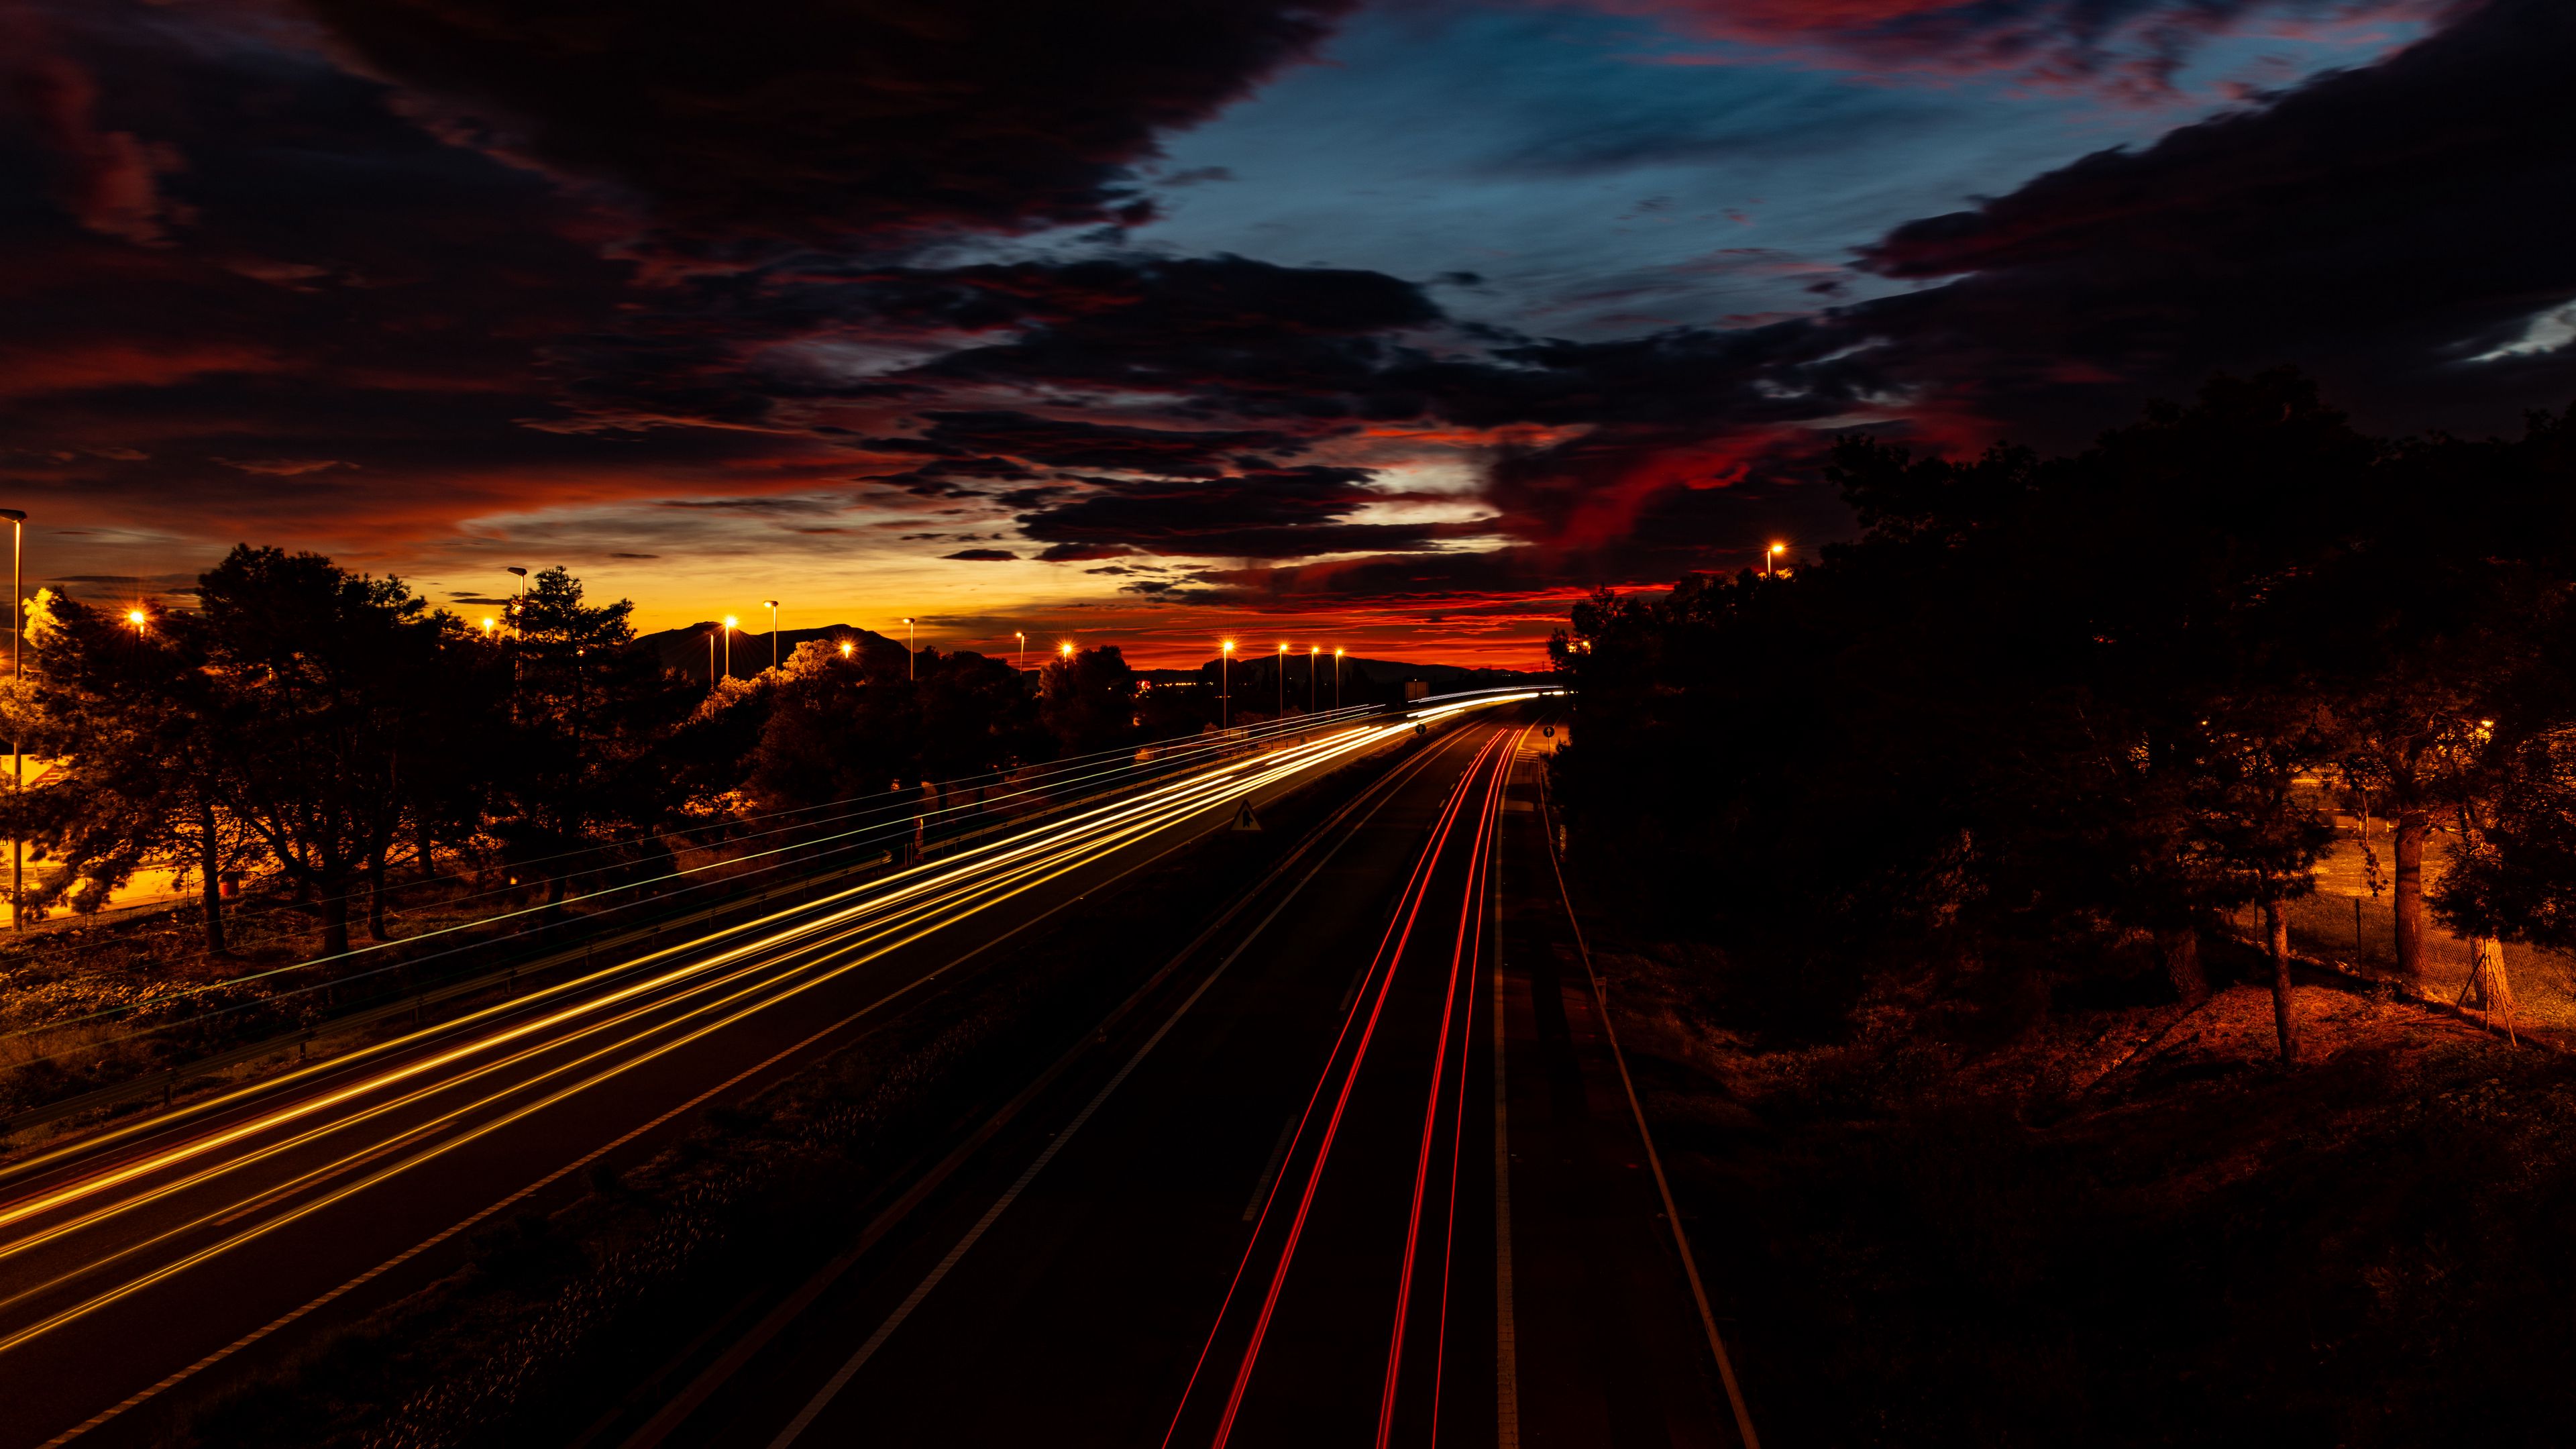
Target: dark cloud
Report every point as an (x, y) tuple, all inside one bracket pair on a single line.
[(958, 437), (982, 555), (1282, 513), (2134, 47), (1240, 336), (819, 119), (2385, 228)]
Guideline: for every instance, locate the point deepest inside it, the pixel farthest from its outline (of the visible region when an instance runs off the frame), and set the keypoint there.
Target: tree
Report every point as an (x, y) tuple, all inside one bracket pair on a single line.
[(587, 710), (127, 714), (1088, 700), (320, 681)]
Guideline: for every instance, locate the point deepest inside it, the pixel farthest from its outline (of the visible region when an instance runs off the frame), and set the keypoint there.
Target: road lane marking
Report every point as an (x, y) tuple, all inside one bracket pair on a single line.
[(1418, 888), (290, 1317), (782, 984), (832, 1387), (1507, 1383), (1270, 1168), (1672, 1214), (676, 1412)]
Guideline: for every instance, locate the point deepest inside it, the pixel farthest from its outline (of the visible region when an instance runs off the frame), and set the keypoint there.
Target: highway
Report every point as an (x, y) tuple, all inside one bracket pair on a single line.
[(1364, 1172), (142, 1259)]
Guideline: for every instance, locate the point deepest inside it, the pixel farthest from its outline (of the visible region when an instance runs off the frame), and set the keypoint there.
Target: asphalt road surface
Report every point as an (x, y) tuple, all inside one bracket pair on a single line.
[(216, 1240), (1364, 1172)]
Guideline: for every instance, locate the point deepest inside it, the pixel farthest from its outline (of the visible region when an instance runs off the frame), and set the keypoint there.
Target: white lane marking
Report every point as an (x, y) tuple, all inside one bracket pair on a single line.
[(1269, 1170), (1654, 1160), (831, 1389), (1507, 1383)]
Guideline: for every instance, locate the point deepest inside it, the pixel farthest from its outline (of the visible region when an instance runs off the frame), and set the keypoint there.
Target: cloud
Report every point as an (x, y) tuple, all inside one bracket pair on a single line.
[(958, 438), (2383, 227), (982, 555), (2134, 48), (109, 180), (283, 467), (823, 119), (1273, 513)]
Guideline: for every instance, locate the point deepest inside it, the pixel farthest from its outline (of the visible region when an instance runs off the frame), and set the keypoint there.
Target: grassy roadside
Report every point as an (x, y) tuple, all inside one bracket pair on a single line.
[(2117, 1223), (556, 1317)]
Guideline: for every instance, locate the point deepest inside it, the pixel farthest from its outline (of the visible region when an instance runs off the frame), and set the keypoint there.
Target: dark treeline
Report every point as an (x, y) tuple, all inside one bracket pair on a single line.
[(335, 731), (2050, 715)]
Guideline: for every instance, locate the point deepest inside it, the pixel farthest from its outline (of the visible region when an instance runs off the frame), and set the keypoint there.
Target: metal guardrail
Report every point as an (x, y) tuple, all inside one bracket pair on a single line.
[(165, 1083)]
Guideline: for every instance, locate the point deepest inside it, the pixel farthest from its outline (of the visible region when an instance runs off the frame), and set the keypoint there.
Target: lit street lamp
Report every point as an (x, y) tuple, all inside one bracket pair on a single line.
[(1023, 636), (17, 670), (773, 631), (1225, 685), (1771, 559), (1312, 650), (730, 623), (1066, 649), (845, 648), (1337, 677), (908, 652)]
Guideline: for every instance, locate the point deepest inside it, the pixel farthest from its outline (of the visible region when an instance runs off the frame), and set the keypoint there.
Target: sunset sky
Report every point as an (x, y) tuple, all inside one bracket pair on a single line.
[(1393, 325)]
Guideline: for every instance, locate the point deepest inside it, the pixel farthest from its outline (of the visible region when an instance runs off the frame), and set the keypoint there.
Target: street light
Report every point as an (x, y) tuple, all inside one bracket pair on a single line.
[(908, 651), (1770, 559), (730, 623), (772, 605), (1065, 649), (489, 624), (845, 648), (17, 757), (1023, 637), (1283, 681), (1225, 685), (1337, 677), (1312, 650)]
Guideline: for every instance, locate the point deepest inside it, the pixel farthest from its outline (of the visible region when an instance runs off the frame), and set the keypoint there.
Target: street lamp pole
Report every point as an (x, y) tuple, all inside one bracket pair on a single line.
[(730, 624), (1312, 650), (1225, 685), (1770, 559), (711, 661), (909, 653), (1337, 677), (1023, 636), (17, 670), (773, 631), (1283, 681)]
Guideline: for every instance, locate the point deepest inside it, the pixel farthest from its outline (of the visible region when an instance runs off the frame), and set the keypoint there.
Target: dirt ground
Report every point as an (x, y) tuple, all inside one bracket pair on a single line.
[(2128, 1225)]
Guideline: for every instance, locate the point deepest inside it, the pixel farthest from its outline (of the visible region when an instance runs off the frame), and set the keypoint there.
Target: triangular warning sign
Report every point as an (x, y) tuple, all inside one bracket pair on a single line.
[(1244, 819)]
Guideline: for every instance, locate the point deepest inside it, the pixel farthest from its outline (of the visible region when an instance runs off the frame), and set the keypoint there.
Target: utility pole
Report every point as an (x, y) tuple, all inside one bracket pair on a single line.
[(17, 670), (773, 631)]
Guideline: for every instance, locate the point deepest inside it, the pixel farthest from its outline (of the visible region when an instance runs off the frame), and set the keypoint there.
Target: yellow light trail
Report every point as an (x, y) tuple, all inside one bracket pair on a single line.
[(769, 969)]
